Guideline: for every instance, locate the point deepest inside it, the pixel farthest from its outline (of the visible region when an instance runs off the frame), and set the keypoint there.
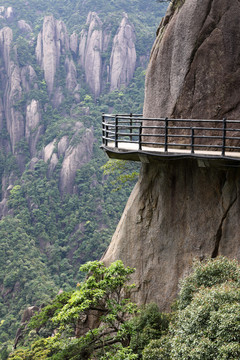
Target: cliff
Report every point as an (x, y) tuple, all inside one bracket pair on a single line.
[(57, 209), (123, 56), (184, 209), (47, 75)]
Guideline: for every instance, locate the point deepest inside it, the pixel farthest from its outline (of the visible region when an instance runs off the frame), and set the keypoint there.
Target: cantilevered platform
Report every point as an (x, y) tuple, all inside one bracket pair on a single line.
[(131, 137)]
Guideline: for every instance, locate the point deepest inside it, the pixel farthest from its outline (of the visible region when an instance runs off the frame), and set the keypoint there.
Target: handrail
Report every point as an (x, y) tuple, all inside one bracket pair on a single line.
[(188, 134)]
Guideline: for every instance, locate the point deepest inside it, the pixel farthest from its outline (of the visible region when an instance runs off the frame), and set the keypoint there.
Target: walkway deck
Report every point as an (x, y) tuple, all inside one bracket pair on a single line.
[(130, 137)]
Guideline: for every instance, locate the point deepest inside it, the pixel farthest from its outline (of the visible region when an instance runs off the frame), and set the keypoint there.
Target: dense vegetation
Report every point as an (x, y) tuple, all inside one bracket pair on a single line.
[(204, 324), (47, 235)]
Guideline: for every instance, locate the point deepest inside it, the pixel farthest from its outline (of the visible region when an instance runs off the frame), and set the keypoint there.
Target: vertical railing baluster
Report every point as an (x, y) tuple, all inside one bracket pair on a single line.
[(103, 131), (166, 135), (192, 140), (116, 131), (140, 136), (131, 127), (224, 136)]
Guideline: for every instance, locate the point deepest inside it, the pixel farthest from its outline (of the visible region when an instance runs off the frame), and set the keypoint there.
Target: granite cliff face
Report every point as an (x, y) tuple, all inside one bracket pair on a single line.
[(90, 48), (36, 76), (123, 57), (94, 42), (196, 56), (185, 209)]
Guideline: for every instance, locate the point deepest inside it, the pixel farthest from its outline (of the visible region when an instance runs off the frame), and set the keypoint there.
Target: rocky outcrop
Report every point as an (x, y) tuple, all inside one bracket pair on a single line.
[(75, 152), (123, 57), (28, 78), (185, 209), (71, 79), (7, 13), (76, 155), (52, 42), (24, 26), (74, 43), (33, 128), (90, 48), (12, 90), (94, 42), (196, 57)]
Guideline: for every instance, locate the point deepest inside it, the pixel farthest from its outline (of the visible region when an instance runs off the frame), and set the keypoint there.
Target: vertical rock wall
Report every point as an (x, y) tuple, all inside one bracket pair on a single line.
[(185, 209), (123, 57)]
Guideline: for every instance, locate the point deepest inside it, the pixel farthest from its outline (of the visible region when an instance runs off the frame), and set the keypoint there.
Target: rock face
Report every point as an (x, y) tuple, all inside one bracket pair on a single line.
[(123, 57), (12, 91), (177, 211), (75, 157), (94, 42), (53, 41), (180, 210), (196, 56), (29, 95), (33, 129), (90, 48), (24, 26)]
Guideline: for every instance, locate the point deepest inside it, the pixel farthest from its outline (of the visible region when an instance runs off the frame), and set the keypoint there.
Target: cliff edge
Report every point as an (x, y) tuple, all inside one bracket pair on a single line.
[(185, 209)]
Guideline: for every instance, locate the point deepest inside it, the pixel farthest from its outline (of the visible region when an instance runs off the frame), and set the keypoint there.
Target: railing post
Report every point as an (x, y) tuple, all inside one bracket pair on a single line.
[(140, 136), (224, 136), (166, 135), (103, 131), (116, 131), (131, 127), (192, 140)]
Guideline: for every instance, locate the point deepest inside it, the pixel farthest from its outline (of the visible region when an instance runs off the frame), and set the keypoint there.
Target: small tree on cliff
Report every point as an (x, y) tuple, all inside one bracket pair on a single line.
[(87, 322)]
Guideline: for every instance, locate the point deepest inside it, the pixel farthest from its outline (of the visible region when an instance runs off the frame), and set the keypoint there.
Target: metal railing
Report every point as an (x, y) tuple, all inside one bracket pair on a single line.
[(191, 134)]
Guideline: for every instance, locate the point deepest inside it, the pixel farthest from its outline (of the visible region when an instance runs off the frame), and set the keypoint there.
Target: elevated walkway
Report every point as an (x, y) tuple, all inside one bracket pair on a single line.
[(132, 137)]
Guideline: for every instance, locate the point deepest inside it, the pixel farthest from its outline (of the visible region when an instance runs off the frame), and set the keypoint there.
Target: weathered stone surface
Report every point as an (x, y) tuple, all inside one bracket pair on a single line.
[(9, 13), (194, 67), (12, 91), (179, 210), (90, 48), (58, 96), (48, 150), (52, 42), (33, 129), (63, 145), (71, 79), (28, 77), (75, 157), (123, 56), (74, 43), (24, 26)]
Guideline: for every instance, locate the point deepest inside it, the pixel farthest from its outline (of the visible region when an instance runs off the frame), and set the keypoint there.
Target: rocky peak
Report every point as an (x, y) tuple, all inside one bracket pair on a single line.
[(7, 13), (90, 48), (12, 90), (52, 42), (6, 37), (123, 56)]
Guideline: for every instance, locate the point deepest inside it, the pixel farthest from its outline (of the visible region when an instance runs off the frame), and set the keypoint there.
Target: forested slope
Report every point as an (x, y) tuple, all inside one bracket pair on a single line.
[(59, 70)]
